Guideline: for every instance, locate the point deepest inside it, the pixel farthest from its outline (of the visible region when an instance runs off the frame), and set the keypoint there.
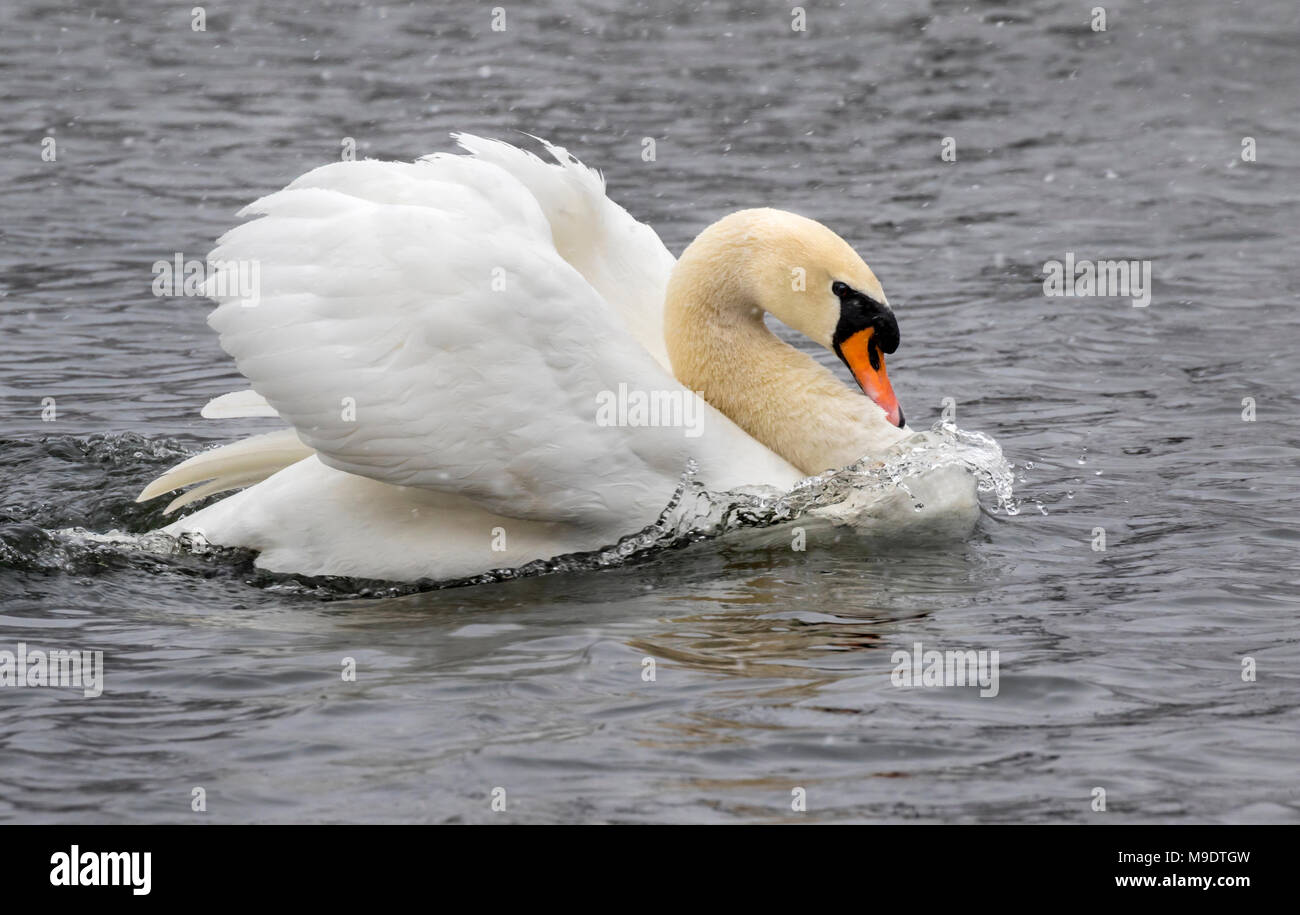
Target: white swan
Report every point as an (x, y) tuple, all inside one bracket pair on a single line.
[(441, 336)]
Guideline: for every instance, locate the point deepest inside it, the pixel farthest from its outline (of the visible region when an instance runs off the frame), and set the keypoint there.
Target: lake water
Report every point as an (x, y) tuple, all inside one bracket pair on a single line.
[(1120, 669)]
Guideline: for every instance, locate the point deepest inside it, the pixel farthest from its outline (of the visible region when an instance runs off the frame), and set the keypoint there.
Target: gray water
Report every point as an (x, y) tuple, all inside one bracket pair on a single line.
[(1119, 668)]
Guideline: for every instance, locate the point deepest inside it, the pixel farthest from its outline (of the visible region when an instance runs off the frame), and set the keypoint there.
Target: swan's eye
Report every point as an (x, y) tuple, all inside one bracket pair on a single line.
[(839, 288)]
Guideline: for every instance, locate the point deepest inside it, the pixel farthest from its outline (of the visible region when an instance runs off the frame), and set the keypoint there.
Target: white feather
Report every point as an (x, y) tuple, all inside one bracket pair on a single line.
[(237, 404), (231, 466)]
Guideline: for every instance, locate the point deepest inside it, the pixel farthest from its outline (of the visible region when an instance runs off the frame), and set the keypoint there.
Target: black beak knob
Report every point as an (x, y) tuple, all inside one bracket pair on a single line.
[(886, 336)]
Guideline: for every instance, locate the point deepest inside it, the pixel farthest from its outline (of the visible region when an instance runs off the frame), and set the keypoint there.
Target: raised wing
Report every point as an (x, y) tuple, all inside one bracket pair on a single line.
[(415, 323)]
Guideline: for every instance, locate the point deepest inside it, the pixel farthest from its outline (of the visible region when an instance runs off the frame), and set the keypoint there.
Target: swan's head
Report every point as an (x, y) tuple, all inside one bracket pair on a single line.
[(811, 280)]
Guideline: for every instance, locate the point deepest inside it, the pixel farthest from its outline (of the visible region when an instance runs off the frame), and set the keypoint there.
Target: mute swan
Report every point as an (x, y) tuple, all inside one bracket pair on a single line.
[(440, 334)]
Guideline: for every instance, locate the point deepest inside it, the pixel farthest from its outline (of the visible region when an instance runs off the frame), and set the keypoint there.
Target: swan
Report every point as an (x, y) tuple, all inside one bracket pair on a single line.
[(439, 336)]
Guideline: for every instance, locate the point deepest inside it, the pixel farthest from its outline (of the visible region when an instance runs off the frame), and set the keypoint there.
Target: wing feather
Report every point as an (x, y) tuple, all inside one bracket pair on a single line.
[(415, 323)]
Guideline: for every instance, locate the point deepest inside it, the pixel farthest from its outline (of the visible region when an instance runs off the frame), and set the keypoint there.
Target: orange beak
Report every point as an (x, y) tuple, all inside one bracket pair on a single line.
[(867, 363)]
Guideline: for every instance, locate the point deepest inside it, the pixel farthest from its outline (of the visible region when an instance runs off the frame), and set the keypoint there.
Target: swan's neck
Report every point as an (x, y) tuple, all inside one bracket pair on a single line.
[(782, 397)]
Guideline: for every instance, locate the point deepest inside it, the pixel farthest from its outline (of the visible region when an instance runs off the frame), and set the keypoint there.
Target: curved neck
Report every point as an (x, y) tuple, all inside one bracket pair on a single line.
[(719, 346)]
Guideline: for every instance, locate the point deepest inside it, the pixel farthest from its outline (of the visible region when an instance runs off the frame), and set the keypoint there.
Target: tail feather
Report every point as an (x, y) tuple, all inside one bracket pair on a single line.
[(233, 466), (214, 486)]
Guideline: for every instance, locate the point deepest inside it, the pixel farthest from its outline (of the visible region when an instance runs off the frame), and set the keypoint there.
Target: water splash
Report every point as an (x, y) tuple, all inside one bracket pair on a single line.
[(943, 445), (694, 513)]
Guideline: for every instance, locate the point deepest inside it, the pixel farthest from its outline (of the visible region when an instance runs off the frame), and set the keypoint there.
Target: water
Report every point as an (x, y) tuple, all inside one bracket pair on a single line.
[(1119, 668)]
